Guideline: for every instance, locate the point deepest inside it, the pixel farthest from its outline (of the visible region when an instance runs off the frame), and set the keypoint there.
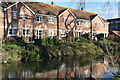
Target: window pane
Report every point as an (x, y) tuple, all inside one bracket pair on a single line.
[(98, 24), (64, 20), (23, 31), (37, 18), (23, 15), (14, 15), (15, 31), (95, 23), (37, 32), (10, 31), (51, 19), (28, 32), (79, 23), (41, 18), (69, 21)]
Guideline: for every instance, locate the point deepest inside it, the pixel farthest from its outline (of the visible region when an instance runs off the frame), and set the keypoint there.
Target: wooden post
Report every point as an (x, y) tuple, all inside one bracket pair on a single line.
[(91, 70), (0, 56), (0, 42)]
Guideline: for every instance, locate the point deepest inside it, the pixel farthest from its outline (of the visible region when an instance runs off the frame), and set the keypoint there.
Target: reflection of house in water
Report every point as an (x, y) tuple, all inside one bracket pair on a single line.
[(12, 75), (98, 69), (26, 74)]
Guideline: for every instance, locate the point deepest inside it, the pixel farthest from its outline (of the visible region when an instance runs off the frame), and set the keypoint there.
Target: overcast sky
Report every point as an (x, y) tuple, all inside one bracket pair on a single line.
[(101, 7)]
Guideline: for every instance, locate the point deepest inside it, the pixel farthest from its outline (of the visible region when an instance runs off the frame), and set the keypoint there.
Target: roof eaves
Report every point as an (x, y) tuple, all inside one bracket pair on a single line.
[(17, 3), (72, 13)]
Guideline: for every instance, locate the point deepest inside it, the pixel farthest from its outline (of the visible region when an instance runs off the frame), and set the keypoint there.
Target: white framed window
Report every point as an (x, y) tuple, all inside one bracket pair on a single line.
[(105, 25), (111, 22), (39, 19), (116, 27), (116, 21), (79, 23), (51, 33), (26, 32), (86, 73), (99, 24), (64, 20), (94, 34), (14, 14), (23, 15), (86, 23), (63, 33), (39, 34), (51, 20), (12, 31), (69, 20), (95, 24), (79, 34)]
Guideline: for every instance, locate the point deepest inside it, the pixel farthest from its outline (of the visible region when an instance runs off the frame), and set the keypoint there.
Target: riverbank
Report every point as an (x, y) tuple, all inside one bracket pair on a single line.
[(37, 52)]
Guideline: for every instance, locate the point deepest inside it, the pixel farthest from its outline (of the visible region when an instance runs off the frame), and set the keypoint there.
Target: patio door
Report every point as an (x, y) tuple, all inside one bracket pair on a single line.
[(39, 34)]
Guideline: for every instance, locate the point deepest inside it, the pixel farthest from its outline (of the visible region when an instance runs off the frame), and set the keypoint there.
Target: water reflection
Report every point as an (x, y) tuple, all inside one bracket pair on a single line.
[(68, 67)]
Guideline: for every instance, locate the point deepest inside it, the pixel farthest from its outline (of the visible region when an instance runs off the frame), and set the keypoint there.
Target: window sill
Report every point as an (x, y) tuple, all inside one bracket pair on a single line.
[(26, 35), (86, 26), (51, 22), (12, 35), (79, 25), (39, 22)]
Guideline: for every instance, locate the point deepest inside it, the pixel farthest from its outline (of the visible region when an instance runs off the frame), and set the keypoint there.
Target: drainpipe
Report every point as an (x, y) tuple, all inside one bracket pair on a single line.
[(58, 27), (91, 27)]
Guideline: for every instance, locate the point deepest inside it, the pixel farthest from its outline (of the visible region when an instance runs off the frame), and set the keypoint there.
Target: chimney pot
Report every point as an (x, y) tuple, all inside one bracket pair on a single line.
[(52, 2)]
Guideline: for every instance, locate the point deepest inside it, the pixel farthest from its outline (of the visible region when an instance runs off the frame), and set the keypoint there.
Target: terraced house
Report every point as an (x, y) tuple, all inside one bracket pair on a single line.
[(38, 20)]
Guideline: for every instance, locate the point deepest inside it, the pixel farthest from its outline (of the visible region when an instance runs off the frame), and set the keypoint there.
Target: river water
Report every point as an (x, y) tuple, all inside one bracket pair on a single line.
[(67, 67)]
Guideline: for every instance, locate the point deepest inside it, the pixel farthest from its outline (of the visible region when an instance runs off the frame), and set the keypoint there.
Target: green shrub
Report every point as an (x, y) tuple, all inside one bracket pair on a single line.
[(82, 39), (117, 39), (56, 41), (100, 36), (50, 41), (87, 36)]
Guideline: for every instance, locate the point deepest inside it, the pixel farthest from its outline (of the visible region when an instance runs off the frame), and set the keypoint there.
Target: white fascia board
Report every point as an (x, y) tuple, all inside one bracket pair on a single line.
[(17, 3), (72, 13), (68, 11), (62, 13)]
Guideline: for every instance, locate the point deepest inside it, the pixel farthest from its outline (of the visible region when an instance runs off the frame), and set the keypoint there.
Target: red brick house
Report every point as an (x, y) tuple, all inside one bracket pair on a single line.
[(39, 20), (114, 28)]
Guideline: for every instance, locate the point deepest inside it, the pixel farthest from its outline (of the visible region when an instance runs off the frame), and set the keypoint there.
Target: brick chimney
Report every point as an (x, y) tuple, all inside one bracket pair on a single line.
[(52, 2), (82, 8)]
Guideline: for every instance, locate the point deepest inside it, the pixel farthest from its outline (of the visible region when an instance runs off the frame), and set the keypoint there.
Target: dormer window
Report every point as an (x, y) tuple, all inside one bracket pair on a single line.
[(86, 24), (39, 19), (51, 20), (14, 14), (23, 15), (79, 23)]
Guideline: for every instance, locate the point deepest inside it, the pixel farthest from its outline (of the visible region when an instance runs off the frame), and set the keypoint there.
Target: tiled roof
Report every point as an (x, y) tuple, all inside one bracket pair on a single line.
[(104, 20), (48, 9), (117, 33), (113, 19), (83, 14), (45, 8)]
